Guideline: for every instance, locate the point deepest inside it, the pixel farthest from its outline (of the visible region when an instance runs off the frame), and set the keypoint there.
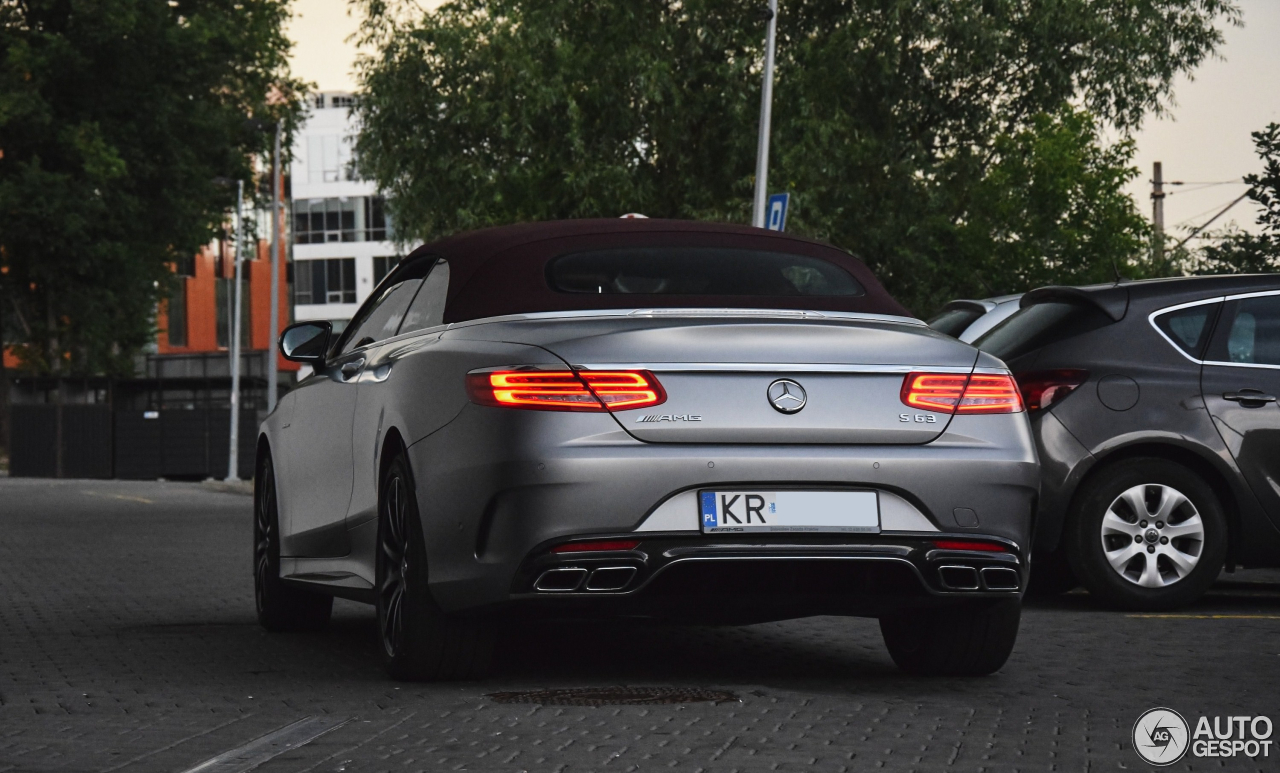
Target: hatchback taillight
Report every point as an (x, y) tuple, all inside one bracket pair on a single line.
[(1043, 388), (961, 393), (566, 390)]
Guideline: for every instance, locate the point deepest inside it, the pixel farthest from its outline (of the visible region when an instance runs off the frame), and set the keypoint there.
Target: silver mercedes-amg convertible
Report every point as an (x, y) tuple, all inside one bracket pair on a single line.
[(647, 419)]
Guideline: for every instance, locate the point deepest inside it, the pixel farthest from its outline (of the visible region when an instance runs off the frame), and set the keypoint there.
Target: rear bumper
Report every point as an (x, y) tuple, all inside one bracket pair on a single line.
[(744, 580), (497, 486)]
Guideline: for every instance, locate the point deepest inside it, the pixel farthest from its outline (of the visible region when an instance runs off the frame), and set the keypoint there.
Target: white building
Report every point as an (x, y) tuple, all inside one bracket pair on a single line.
[(342, 239)]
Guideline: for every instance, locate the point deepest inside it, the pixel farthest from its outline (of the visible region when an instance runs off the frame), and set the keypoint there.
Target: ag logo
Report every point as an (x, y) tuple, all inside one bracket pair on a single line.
[(1160, 736)]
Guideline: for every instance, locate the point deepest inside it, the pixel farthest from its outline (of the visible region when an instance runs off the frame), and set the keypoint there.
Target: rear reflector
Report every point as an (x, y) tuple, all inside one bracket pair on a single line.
[(961, 393), (566, 390), (1043, 388), (599, 545), (955, 544)]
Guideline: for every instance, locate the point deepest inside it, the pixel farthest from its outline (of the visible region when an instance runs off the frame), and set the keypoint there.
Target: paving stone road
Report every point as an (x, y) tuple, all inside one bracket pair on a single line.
[(128, 643)]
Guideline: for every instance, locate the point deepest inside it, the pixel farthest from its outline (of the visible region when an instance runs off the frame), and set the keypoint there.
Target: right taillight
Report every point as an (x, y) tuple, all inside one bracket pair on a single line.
[(961, 393), (1042, 388)]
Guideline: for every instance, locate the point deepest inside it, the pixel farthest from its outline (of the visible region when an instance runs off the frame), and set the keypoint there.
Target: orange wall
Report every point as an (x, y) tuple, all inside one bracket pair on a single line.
[(202, 313)]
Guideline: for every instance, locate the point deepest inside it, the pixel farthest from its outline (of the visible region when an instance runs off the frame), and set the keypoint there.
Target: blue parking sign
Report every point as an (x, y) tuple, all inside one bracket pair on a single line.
[(776, 215)]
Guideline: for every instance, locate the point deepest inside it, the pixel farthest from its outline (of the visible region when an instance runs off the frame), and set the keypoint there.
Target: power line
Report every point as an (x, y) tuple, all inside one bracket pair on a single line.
[(1239, 199)]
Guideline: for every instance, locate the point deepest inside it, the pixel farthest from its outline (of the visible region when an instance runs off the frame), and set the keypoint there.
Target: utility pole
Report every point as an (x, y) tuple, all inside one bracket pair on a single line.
[(233, 459), (273, 374), (766, 114), (1157, 205)]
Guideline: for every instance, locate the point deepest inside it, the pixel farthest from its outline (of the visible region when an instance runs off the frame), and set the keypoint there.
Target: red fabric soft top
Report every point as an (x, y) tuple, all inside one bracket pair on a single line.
[(502, 270)]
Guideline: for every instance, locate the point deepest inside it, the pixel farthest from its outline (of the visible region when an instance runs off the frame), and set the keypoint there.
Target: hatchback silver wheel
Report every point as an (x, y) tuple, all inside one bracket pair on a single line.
[(1152, 535)]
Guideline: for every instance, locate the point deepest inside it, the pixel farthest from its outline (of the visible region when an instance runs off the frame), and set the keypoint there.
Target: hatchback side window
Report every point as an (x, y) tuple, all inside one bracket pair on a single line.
[(1250, 334), (1189, 328), (427, 309)]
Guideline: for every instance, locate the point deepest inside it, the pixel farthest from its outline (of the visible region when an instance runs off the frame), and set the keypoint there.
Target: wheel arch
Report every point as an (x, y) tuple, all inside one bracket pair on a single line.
[(1197, 461), (392, 444)]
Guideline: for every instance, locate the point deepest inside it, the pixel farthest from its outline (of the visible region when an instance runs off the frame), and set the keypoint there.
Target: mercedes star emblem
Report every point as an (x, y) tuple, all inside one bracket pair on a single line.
[(786, 396)]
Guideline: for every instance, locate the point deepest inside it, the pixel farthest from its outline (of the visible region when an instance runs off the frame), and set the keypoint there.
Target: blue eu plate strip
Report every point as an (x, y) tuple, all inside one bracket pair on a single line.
[(708, 510)]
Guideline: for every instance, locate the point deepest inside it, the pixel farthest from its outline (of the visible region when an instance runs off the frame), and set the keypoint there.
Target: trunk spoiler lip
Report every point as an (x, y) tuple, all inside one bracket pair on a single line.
[(1112, 300), (696, 313)]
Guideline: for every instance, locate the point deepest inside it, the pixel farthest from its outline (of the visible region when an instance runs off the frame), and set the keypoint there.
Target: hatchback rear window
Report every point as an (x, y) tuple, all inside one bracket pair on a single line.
[(953, 322), (1038, 326), (698, 271)]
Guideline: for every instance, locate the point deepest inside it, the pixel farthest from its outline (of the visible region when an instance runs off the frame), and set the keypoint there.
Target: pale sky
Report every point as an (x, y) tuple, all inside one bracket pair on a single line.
[(1205, 140)]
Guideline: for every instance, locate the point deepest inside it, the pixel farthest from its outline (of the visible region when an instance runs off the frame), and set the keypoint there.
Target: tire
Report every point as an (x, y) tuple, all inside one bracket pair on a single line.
[(418, 641), (964, 641), (1147, 534), (281, 607), (1051, 575)]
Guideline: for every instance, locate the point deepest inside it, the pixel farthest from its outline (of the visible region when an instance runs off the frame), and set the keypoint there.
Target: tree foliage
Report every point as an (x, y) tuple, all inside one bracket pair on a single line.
[(116, 116), (1236, 251), (953, 144)]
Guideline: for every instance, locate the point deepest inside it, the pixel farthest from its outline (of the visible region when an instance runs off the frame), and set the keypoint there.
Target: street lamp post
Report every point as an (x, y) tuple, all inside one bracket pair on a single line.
[(766, 110), (273, 375), (233, 459)]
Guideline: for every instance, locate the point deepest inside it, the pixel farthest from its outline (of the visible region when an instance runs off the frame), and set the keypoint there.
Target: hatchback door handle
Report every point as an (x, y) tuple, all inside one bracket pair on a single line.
[(1247, 396), (351, 369)]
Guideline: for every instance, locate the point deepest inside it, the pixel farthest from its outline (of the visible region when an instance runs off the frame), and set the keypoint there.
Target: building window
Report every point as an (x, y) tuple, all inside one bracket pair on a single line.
[(336, 101), (382, 266), (177, 314), (349, 219), (324, 281)]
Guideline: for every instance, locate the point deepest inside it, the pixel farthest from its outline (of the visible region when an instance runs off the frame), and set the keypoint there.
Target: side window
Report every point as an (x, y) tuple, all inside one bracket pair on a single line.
[(1250, 333), (427, 309), (381, 314), (1189, 328)]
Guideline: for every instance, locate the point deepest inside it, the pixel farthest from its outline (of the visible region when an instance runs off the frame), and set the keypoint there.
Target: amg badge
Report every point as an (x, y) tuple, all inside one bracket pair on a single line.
[(669, 417)]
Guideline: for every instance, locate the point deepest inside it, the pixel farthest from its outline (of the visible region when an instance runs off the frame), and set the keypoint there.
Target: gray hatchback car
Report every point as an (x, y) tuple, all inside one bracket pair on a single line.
[(648, 419), (1154, 406)]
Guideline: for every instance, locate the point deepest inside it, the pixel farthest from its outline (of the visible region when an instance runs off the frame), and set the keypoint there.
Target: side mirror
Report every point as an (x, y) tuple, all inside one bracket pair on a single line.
[(306, 342)]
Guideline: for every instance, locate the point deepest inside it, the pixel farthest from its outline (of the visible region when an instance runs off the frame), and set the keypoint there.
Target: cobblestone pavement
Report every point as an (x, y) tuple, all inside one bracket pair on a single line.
[(128, 643)]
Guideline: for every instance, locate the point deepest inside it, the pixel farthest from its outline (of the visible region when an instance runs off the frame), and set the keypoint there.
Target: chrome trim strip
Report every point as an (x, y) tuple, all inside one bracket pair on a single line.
[(775, 367), (1151, 319)]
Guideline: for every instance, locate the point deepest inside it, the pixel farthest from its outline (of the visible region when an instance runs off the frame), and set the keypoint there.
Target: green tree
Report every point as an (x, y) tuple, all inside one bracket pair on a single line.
[(896, 122), (116, 116), (1237, 251)]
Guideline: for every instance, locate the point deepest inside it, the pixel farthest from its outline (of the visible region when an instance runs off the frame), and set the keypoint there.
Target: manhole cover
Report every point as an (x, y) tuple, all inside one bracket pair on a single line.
[(614, 696)]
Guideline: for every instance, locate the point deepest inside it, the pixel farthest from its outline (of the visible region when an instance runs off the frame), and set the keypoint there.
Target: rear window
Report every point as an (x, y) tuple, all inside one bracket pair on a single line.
[(698, 271), (1038, 326), (953, 322)]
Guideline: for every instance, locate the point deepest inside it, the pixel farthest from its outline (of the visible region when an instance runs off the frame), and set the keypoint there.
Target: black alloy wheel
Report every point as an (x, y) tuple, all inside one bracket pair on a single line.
[(419, 642), (281, 607)]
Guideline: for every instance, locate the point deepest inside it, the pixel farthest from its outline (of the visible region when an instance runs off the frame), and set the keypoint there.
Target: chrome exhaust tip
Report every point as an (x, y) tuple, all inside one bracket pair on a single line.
[(562, 580), (1000, 578), (611, 578), (958, 577)]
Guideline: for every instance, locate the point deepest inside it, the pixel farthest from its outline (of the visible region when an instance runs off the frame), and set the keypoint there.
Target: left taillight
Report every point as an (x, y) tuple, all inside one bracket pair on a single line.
[(962, 393), (566, 390)]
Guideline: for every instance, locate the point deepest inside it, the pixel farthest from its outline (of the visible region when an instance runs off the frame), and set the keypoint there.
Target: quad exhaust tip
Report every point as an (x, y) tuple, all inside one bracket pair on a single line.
[(969, 578), (572, 578)]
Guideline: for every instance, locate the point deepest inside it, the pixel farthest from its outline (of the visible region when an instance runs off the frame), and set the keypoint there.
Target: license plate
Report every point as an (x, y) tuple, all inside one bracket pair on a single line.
[(789, 511)]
